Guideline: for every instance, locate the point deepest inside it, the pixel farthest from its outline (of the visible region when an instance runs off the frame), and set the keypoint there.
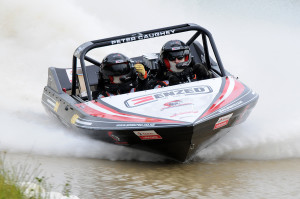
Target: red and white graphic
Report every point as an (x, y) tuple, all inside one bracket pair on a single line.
[(97, 109), (142, 100), (116, 138), (222, 121), (183, 113), (148, 135), (175, 103), (174, 93), (231, 91)]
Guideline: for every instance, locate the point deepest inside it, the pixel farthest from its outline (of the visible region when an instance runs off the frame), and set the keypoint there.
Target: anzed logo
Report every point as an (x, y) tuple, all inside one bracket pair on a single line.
[(141, 100)]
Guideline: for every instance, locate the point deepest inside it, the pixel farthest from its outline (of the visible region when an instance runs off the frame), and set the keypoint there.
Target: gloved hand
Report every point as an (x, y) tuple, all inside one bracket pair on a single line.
[(140, 69), (202, 72), (173, 80)]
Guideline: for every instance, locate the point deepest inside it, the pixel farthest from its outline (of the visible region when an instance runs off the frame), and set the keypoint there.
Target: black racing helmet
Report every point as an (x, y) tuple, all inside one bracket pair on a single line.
[(175, 49), (115, 64)]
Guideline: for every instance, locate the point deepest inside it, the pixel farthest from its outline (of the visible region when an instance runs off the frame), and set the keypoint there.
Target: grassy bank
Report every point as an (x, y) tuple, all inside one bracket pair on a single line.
[(8, 187), (21, 181), (8, 190)]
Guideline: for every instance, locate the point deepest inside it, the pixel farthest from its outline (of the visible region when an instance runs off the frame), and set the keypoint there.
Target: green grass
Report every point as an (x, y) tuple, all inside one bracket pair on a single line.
[(8, 187), (21, 181), (8, 190)]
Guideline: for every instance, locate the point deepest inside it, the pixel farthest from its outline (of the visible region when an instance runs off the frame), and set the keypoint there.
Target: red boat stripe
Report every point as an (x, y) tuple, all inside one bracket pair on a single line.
[(230, 92), (226, 92), (99, 110), (143, 99)]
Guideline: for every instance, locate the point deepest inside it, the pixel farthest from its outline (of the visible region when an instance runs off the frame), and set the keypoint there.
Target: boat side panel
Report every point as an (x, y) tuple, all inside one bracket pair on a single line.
[(208, 132), (62, 105)]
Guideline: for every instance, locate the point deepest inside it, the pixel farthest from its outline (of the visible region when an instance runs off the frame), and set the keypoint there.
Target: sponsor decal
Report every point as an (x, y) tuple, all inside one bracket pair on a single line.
[(145, 124), (147, 135), (74, 118), (175, 103), (176, 48), (183, 113), (116, 138), (141, 100), (56, 106), (119, 61), (140, 36), (223, 121)]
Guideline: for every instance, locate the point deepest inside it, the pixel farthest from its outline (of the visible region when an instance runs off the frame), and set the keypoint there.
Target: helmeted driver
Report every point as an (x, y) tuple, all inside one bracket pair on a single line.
[(175, 55), (118, 75), (177, 66)]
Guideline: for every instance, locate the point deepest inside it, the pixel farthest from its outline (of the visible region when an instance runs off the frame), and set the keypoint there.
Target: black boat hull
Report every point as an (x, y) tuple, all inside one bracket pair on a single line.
[(179, 143)]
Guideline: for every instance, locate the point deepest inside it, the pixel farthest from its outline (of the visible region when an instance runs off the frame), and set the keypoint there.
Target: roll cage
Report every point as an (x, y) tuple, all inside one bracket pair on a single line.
[(82, 50)]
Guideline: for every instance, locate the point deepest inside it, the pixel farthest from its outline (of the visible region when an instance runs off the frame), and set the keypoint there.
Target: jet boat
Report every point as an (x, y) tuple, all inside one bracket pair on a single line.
[(175, 121)]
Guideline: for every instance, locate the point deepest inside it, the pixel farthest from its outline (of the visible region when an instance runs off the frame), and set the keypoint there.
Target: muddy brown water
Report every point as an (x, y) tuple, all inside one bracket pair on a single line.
[(96, 178)]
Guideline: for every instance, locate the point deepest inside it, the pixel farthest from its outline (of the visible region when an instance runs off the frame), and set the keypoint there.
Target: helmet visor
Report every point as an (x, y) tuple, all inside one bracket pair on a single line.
[(120, 79), (176, 54), (116, 69)]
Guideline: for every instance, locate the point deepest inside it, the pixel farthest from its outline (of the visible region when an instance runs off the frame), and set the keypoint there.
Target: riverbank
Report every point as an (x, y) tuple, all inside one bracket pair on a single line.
[(24, 181)]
